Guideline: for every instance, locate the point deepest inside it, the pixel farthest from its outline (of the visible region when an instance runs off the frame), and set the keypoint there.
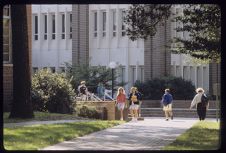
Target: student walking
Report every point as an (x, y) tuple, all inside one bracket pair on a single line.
[(120, 101), (167, 100), (134, 103), (201, 102)]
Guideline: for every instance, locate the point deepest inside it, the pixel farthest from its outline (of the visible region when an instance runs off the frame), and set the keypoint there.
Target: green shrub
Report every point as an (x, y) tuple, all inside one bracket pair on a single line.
[(154, 89), (52, 92), (93, 75), (88, 112)]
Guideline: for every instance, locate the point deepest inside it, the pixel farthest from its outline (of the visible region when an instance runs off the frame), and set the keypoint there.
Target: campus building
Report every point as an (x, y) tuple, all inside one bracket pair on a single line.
[(7, 54), (96, 35)]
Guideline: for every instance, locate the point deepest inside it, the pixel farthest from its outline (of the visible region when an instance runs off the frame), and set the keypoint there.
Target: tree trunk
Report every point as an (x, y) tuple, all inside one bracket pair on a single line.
[(22, 106)]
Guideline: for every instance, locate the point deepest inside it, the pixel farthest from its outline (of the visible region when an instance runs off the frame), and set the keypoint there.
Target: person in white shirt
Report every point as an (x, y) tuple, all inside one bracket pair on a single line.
[(82, 89), (201, 110)]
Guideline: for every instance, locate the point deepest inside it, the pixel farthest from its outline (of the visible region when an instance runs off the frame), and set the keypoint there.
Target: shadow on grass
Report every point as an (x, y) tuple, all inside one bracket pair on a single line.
[(39, 136)]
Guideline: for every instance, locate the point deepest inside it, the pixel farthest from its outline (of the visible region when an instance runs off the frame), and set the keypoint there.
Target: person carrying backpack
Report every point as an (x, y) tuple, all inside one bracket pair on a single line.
[(201, 102), (167, 100)]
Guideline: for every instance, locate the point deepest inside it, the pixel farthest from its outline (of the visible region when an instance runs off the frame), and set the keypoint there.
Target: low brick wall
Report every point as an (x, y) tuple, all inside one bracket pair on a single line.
[(99, 105), (7, 86)]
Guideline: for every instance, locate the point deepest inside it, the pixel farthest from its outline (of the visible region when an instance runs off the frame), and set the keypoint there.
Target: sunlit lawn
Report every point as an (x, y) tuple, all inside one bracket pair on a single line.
[(40, 116), (40, 136), (204, 135)]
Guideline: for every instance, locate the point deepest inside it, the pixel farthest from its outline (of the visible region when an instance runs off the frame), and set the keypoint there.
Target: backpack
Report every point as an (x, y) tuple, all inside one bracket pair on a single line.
[(204, 100), (83, 89)]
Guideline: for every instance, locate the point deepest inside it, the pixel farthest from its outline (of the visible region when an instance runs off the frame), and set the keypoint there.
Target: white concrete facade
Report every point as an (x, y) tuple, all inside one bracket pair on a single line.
[(107, 43), (51, 52), (114, 46)]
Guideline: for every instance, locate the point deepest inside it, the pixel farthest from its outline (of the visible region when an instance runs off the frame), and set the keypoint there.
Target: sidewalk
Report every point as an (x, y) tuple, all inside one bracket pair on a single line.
[(150, 134)]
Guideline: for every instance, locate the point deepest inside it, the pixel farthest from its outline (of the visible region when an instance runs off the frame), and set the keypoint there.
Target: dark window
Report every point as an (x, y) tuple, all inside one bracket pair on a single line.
[(36, 27), (53, 27), (63, 26), (70, 26), (45, 27)]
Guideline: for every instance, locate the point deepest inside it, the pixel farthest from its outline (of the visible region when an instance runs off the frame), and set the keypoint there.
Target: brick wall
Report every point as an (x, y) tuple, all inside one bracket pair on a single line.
[(110, 106), (156, 54), (8, 69), (80, 34), (214, 75), (7, 86)]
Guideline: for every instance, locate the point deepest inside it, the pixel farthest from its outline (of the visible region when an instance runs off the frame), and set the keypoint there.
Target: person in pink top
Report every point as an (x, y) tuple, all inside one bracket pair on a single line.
[(120, 101)]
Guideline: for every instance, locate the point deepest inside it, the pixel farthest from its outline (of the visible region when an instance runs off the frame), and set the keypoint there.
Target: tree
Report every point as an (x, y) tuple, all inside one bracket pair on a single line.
[(142, 19), (203, 24), (201, 21), (21, 106), (92, 75)]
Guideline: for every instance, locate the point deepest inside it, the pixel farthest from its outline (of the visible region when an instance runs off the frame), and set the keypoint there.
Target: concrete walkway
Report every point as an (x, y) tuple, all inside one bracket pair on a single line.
[(149, 134)]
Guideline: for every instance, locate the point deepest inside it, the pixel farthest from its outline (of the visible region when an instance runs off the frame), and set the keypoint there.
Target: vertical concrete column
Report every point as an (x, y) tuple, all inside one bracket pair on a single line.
[(58, 34), (39, 37), (99, 27), (182, 70), (48, 29), (117, 25), (66, 24)]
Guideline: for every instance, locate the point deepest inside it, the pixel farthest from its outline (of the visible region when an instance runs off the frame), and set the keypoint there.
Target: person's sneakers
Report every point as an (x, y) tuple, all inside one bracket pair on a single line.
[(167, 119)]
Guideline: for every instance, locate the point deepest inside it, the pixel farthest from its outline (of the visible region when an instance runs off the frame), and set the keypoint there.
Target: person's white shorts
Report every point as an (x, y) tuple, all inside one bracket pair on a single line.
[(167, 107), (120, 106), (134, 107)]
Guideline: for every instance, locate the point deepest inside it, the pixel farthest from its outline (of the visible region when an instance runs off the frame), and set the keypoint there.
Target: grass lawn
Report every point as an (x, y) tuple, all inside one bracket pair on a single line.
[(40, 116), (40, 136), (204, 135)]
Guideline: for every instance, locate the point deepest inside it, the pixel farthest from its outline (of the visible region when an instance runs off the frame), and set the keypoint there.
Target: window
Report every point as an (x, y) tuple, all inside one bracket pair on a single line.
[(6, 35), (36, 27), (142, 74), (45, 27), (178, 71), (133, 74), (123, 23), (172, 70), (104, 24), (34, 70), (122, 74), (95, 24), (114, 22), (199, 76), (185, 73), (53, 27), (70, 26), (52, 69), (6, 10), (62, 69), (63, 26)]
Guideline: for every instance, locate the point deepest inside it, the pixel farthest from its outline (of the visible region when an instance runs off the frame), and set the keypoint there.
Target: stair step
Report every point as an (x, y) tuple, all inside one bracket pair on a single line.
[(179, 112)]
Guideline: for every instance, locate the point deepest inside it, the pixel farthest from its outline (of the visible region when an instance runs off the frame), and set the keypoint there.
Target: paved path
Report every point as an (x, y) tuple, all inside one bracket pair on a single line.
[(149, 134)]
